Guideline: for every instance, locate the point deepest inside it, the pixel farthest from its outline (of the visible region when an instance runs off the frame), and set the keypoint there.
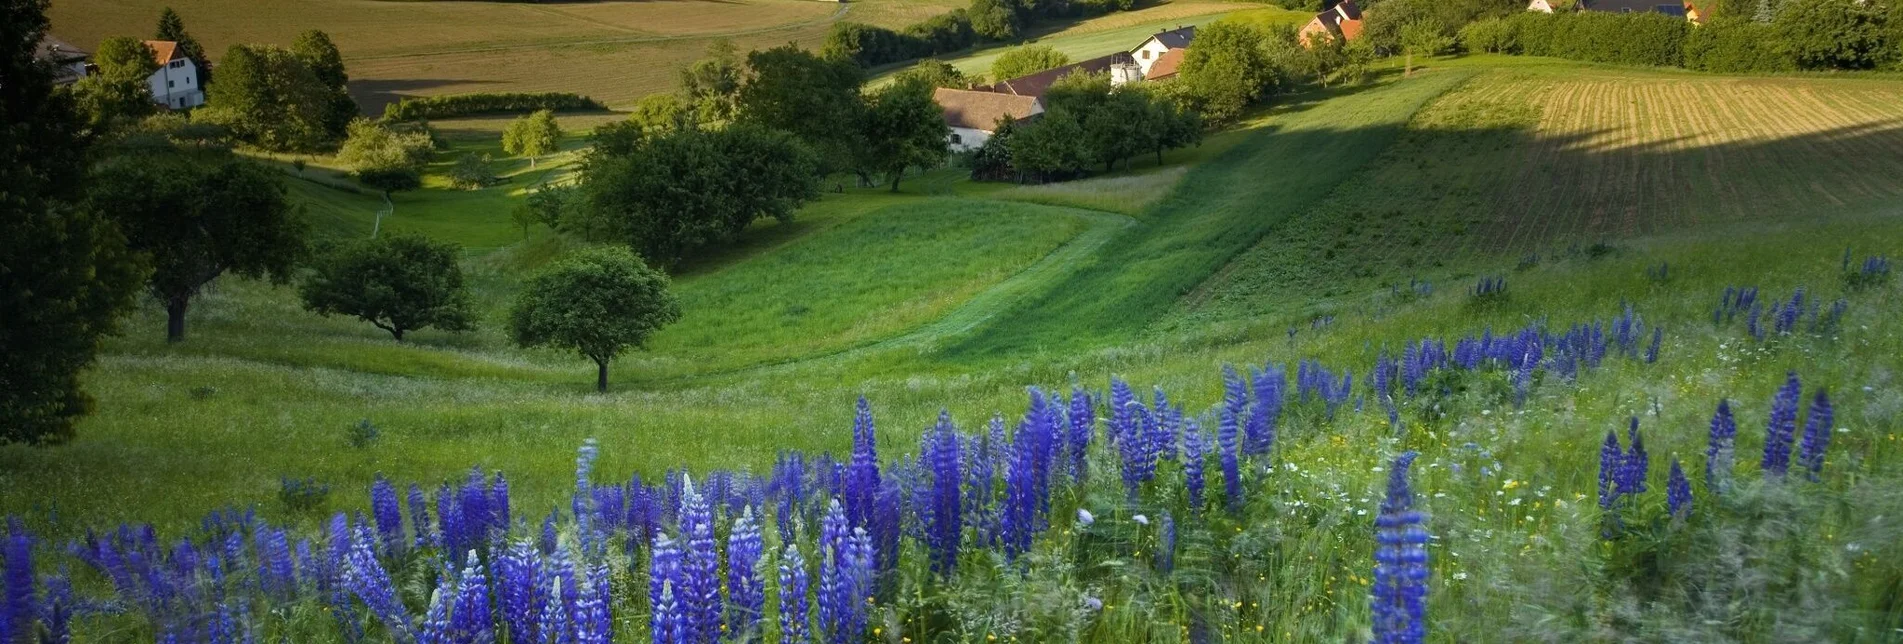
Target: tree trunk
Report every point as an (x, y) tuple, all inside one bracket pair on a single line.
[(175, 319), (397, 333), (1159, 155), (601, 376), (895, 179)]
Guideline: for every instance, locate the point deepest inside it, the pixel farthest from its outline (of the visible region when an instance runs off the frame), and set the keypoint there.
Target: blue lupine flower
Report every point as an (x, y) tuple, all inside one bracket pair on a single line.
[(1611, 467), (1042, 421), (499, 503), (470, 621), (1718, 450), (593, 624), (1816, 436), (516, 590), (862, 478), (275, 573), (1231, 467), (16, 584), (699, 590), (370, 583), (1782, 427), (1195, 457), (1166, 422), (1678, 492), (1235, 397), (389, 515), (1635, 463), (664, 573), (836, 597), (56, 613), (1018, 520), (1400, 571), (1652, 352), (746, 590), (794, 627), (944, 521), (436, 625), (419, 519), (1083, 423), (1270, 388)]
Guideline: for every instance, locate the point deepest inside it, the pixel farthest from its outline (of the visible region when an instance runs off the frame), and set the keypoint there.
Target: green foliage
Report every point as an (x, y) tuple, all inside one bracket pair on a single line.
[(1227, 70), (384, 158), (710, 87), (869, 46), (196, 215), (548, 205), (598, 302), (270, 98), (932, 73), (1735, 45), (362, 434), (436, 107), (532, 136), (1648, 38), (994, 20), (303, 496), (815, 99), (1833, 34), (656, 112), (675, 193), (118, 94), (65, 272), (326, 63), (1026, 60), (1491, 36), (1088, 123), (902, 128), (1424, 38), (471, 171), (397, 283), (125, 57)]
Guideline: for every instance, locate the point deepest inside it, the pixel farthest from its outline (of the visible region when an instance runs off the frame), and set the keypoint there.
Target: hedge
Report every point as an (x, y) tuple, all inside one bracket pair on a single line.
[(1621, 38), (1735, 45), (434, 107)]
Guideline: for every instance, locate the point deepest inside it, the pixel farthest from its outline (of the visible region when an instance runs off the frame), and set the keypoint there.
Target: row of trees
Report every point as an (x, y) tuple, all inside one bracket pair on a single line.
[(982, 21), (1088, 124)]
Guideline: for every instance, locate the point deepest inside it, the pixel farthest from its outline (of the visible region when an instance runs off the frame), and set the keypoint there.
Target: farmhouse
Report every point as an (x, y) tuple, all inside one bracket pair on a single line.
[(1120, 65), (69, 62), (973, 115), (1686, 11), (1159, 45), (1343, 20), (175, 84)]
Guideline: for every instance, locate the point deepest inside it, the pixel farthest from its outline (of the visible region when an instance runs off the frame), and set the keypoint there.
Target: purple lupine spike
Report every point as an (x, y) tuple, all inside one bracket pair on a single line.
[(1194, 458), (1163, 427), (1231, 466), (1043, 423), (790, 490), (1782, 428), (593, 623), (746, 590), (700, 565), (470, 621), (371, 583), (419, 519), (1718, 449), (553, 625), (1081, 429), (1400, 572), (1652, 351), (550, 540), (274, 562), (1126, 426), (888, 517), (794, 627), (1235, 400), (449, 518), (944, 521), (664, 572), (1611, 464), (981, 463), (1678, 491), (1635, 463), (862, 477), (584, 469), (388, 514), (1816, 436), (473, 508), (436, 627), (499, 503), (670, 624), (56, 611), (516, 590), (1018, 523), (16, 584), (858, 571)]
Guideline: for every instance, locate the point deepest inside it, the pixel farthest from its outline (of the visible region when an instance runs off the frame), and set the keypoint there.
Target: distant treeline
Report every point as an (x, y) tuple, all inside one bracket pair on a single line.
[(435, 107), (983, 21), (1776, 36)]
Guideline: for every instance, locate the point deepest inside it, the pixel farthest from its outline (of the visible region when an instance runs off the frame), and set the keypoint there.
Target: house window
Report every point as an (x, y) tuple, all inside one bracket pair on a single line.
[(1146, 54), (177, 64), (169, 84), (957, 140)]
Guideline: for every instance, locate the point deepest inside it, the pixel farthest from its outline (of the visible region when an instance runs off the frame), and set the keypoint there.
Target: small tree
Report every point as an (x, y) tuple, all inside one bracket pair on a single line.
[(471, 171), (1425, 38), (385, 160), (1027, 60), (532, 136), (198, 215), (400, 284), (599, 302), (903, 128)]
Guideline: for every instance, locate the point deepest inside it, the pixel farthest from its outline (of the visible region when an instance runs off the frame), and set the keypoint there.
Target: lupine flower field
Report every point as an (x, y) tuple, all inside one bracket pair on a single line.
[(1110, 511)]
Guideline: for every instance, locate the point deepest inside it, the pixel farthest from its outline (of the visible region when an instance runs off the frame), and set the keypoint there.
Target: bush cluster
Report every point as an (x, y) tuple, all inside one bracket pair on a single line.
[(983, 21), (1793, 35), (1652, 39), (431, 107)]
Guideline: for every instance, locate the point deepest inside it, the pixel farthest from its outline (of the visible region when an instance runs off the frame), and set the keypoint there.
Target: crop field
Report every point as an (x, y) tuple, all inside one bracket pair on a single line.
[(1520, 164)]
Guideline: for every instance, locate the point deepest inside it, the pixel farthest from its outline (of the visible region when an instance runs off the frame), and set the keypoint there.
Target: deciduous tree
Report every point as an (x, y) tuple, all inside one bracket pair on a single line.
[(1225, 70), (318, 53), (385, 159), (599, 302), (199, 214), (1423, 38), (65, 272), (903, 128), (399, 284), (119, 94), (710, 87), (532, 136), (816, 99), (270, 98), (1027, 60)]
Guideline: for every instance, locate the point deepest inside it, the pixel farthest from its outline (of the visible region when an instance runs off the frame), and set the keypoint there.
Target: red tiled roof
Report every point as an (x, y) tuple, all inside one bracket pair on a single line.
[(164, 51), (1165, 65)]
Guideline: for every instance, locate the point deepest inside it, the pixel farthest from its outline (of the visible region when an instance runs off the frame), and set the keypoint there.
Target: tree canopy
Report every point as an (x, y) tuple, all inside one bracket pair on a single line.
[(1227, 69), (902, 128), (532, 136), (326, 63), (198, 214), (710, 87), (935, 73), (673, 193), (65, 272), (598, 302), (813, 98), (270, 98), (398, 283), (1027, 60), (383, 158), (119, 94)]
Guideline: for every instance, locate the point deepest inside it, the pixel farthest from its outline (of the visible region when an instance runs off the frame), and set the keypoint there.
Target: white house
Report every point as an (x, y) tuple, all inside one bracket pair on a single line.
[(175, 84), (1154, 47), (973, 115)]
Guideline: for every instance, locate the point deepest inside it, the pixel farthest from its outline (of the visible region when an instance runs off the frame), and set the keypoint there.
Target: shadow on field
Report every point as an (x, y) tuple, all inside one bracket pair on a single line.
[(373, 95)]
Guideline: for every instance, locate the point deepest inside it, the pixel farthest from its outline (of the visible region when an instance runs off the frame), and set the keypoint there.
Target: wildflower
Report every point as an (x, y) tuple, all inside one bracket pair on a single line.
[(516, 589), (1083, 422), (1193, 462), (746, 591), (1678, 492), (1400, 571), (1611, 467), (1093, 604), (419, 519), (16, 583), (944, 526), (1718, 450), (1231, 466), (793, 607), (371, 583), (469, 621), (664, 573), (1084, 518), (1635, 463), (1816, 436), (1141, 520), (1782, 427), (699, 590), (388, 514), (862, 475)]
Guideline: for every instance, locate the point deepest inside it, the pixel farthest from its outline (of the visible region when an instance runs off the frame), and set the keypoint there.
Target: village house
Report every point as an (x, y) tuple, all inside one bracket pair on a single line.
[(1678, 9), (974, 114), (1121, 67), (175, 84), (69, 62), (1343, 20), (1155, 48)]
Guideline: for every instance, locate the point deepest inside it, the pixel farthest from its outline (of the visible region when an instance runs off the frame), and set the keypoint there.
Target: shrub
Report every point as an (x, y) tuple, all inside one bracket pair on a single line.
[(471, 172), (1620, 38), (599, 303), (1027, 60), (1492, 36), (431, 107), (1832, 34), (1735, 45), (362, 434), (398, 283), (303, 495)]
